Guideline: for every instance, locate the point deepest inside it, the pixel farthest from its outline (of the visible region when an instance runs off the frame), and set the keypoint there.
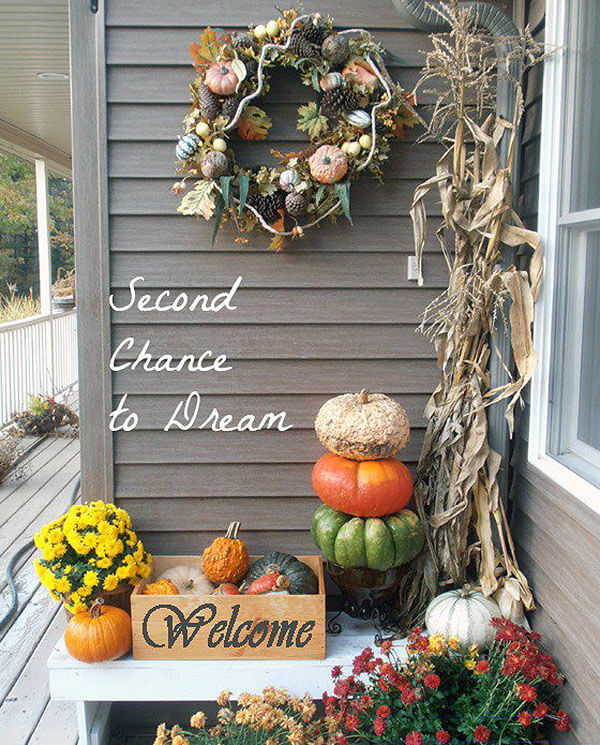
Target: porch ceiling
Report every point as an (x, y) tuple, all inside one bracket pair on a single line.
[(35, 115)]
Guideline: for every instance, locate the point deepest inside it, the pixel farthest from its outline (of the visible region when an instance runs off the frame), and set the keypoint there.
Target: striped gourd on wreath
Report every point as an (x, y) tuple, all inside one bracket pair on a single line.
[(359, 109)]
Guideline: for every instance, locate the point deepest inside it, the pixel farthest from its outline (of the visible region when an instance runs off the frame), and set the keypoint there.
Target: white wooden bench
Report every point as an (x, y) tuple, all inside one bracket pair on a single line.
[(95, 687)]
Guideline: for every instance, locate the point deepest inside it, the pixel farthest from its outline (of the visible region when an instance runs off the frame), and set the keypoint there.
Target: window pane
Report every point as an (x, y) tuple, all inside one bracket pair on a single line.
[(574, 434), (585, 63), (589, 403)]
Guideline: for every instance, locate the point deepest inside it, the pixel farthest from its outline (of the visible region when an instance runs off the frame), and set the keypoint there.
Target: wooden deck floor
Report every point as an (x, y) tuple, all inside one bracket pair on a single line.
[(27, 716)]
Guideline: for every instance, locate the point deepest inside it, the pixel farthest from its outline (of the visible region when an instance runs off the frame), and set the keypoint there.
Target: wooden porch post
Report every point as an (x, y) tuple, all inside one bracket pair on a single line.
[(43, 232)]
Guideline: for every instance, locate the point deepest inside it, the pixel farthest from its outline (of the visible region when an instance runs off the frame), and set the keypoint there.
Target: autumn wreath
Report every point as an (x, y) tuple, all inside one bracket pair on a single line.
[(359, 109)]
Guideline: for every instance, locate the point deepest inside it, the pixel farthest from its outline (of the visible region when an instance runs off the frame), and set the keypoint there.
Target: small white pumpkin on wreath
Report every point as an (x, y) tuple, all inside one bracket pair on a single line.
[(360, 108)]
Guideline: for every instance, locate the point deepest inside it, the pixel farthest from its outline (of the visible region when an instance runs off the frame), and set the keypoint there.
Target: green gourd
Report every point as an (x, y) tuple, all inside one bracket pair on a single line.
[(303, 581), (375, 543)]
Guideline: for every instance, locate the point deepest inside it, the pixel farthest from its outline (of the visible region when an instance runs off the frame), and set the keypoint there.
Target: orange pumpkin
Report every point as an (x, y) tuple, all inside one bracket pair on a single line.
[(368, 488), (361, 72), (221, 79), (162, 586), (328, 164), (101, 634), (226, 559)]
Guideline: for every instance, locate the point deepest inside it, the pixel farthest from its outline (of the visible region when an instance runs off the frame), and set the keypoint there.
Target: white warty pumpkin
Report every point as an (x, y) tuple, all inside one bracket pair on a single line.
[(189, 579), (464, 614), (362, 426)]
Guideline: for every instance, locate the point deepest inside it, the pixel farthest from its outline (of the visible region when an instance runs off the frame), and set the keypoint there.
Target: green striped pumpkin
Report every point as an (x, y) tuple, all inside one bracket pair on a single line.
[(373, 542)]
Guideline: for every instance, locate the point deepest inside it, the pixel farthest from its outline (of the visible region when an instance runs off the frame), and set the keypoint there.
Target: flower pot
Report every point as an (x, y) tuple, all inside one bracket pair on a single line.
[(365, 591), (63, 303), (120, 597)]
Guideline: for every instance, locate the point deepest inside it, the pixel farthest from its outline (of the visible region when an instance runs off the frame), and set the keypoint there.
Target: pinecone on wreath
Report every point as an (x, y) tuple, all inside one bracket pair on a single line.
[(339, 100), (301, 46), (312, 32), (242, 40), (230, 107), (295, 204), (209, 104), (268, 205)]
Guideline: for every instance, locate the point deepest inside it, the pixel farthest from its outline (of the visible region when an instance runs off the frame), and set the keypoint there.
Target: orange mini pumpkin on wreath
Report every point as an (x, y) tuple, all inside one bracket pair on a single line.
[(360, 108)]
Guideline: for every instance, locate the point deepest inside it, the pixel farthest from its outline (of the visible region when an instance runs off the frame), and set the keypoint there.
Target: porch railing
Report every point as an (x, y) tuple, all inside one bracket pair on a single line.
[(38, 355)]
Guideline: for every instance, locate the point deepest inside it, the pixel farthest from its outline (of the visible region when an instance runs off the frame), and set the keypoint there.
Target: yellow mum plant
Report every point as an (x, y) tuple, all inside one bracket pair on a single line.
[(90, 550)]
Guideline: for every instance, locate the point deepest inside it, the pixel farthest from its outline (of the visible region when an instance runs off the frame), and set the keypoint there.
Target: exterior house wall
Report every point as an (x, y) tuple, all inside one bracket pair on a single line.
[(332, 313), (556, 535)]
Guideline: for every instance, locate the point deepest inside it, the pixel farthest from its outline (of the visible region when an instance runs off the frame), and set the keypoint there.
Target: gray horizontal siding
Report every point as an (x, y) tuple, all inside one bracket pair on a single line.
[(383, 233), (332, 313)]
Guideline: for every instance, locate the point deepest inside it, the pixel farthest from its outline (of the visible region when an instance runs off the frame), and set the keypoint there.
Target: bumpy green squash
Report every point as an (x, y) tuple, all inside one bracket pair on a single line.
[(373, 542)]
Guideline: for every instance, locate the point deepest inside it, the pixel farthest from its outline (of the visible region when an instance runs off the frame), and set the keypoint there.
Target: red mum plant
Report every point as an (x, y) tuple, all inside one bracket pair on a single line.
[(443, 693)]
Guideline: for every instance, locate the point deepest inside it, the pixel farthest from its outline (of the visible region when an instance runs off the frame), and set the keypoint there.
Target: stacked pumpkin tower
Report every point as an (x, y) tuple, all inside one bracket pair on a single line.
[(362, 523)]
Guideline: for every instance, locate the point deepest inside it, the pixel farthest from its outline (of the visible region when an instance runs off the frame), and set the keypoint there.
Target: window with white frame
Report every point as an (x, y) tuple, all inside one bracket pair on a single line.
[(566, 405)]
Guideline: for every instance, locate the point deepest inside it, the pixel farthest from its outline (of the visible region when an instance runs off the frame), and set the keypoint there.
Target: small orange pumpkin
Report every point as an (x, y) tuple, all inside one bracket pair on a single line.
[(162, 586), (361, 72), (226, 559), (328, 164), (101, 634), (221, 79)]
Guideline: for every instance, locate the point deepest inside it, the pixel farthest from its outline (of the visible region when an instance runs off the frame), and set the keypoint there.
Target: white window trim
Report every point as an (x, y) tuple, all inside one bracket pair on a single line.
[(556, 36)]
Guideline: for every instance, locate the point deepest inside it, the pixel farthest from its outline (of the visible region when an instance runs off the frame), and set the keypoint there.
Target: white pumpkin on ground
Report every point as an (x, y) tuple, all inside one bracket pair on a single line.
[(189, 579), (464, 614)]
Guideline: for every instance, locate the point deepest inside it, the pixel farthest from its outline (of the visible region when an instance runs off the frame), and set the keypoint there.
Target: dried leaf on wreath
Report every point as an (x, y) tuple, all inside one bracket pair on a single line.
[(199, 201), (254, 124), (311, 120), (343, 191), (277, 240), (207, 51), (244, 185)]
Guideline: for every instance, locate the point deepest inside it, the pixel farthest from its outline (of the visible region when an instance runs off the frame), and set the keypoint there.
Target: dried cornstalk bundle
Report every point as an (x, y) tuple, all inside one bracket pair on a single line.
[(456, 491)]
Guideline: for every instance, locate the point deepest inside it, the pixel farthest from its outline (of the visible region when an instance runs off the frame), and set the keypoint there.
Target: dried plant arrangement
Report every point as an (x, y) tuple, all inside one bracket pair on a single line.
[(64, 286), (9, 455), (457, 492), (46, 415)]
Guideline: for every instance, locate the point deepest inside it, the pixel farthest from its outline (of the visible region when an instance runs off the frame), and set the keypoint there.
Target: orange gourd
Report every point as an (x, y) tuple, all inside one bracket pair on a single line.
[(359, 70), (101, 634), (368, 488), (226, 559), (328, 164), (221, 79), (162, 586)]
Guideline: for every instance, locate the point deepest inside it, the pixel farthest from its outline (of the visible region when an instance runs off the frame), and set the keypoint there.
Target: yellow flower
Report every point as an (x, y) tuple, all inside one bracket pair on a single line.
[(90, 578), (198, 721), (474, 650), (62, 586), (111, 582), (122, 572), (84, 591), (105, 563), (470, 664), (437, 644), (453, 642), (223, 698), (68, 569)]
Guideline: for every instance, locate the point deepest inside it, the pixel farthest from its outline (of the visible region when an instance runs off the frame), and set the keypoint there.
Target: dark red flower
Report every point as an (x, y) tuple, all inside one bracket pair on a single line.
[(383, 711), (336, 672), (482, 667), (414, 738), (526, 692), (442, 736), (540, 710), (408, 696), (524, 718), (340, 739), (384, 685), (563, 723), (481, 733), (432, 681), (378, 726)]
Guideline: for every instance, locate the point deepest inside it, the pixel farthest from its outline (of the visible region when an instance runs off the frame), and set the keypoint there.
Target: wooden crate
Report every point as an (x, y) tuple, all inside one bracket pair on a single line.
[(228, 627)]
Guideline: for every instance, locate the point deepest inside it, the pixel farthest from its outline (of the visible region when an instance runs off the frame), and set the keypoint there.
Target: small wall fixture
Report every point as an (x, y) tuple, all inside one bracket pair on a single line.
[(52, 76)]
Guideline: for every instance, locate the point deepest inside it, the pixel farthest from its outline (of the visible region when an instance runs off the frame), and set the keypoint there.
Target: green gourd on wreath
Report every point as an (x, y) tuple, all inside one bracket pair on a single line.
[(303, 581), (375, 543)]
